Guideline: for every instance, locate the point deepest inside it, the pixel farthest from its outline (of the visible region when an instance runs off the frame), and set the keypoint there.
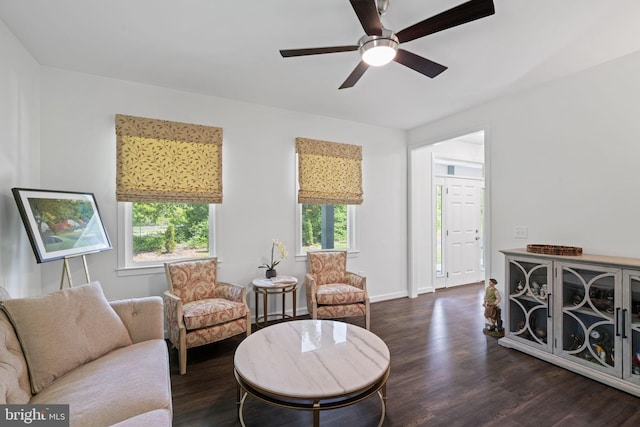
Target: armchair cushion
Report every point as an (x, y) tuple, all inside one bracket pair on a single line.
[(339, 293), (328, 267), (193, 280), (213, 311)]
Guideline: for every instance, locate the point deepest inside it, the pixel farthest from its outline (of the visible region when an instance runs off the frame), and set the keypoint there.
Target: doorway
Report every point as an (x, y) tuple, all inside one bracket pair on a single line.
[(447, 204)]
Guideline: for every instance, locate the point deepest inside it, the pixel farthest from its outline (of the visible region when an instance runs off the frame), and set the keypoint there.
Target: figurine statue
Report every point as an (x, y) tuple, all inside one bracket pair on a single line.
[(492, 312)]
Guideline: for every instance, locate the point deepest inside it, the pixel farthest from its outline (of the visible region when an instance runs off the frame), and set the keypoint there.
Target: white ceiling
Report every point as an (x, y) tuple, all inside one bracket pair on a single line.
[(229, 49)]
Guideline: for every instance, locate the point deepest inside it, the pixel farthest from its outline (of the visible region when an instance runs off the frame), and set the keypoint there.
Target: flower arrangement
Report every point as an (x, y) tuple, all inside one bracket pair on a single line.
[(283, 254)]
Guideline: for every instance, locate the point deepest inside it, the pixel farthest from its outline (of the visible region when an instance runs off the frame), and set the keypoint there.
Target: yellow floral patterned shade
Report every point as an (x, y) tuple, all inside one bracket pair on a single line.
[(329, 172), (163, 161)]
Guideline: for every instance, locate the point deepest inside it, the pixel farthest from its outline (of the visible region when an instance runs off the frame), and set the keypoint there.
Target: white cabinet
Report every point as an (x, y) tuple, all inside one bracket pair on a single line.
[(579, 312)]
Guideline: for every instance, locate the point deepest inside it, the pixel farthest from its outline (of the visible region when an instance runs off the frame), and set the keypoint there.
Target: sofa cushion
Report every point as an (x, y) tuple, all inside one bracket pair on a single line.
[(211, 312), (65, 329), (125, 383), (339, 293), (159, 417)]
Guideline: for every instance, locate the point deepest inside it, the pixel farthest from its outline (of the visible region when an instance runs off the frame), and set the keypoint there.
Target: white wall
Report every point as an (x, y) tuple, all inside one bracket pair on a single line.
[(78, 153), (562, 159), (19, 161)]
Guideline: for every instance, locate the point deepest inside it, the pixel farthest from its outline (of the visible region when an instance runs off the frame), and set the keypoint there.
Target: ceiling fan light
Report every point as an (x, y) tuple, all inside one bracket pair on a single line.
[(379, 50), (378, 55)]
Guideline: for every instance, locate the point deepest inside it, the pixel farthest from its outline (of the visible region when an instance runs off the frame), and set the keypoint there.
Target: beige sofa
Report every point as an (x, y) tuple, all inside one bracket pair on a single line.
[(107, 360)]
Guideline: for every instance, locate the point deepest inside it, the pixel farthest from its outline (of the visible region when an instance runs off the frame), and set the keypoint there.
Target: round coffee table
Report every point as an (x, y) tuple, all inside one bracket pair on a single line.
[(312, 365)]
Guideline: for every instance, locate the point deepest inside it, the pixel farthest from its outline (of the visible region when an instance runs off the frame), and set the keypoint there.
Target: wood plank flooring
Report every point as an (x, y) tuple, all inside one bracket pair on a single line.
[(444, 372)]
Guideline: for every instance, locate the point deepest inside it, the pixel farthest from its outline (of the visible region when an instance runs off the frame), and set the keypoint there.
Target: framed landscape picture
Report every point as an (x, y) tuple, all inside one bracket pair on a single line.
[(61, 224)]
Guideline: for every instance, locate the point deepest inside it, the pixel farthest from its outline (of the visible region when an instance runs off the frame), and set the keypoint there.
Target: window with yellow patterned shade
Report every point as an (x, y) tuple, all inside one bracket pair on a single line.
[(329, 172), (168, 182), (164, 161), (329, 190)]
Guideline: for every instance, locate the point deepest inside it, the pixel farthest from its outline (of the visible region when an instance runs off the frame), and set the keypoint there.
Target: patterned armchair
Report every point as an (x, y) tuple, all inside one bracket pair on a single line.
[(200, 310), (333, 292)]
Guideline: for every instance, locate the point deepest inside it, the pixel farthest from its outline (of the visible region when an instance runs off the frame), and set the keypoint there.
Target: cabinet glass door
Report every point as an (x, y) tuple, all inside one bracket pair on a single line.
[(631, 326), (589, 298), (529, 318)]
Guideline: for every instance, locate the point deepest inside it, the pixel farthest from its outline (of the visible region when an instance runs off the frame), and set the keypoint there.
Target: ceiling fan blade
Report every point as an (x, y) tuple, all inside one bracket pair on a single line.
[(418, 63), (367, 13), (286, 53), (461, 14), (355, 75)]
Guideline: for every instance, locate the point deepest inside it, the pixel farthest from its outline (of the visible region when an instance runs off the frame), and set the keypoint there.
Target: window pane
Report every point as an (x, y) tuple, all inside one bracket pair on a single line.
[(482, 229), (439, 271), (324, 227), (165, 231)]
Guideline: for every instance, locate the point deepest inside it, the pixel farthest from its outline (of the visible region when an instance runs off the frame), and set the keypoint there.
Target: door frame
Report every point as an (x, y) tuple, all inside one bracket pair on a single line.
[(420, 218)]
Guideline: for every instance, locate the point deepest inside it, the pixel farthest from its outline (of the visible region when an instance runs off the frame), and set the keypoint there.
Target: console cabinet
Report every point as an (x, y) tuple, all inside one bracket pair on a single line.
[(579, 312)]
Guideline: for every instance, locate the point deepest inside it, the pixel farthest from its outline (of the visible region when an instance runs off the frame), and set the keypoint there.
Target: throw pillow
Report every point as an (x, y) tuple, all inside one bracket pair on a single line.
[(65, 329)]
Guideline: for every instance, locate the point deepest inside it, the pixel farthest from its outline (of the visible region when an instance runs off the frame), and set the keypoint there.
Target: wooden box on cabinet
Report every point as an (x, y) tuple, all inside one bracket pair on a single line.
[(587, 318)]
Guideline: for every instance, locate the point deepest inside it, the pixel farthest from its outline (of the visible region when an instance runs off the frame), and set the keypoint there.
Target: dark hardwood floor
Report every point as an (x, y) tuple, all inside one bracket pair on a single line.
[(444, 372)]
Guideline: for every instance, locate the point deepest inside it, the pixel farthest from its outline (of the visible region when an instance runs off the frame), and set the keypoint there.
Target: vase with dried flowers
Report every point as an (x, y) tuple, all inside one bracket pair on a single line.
[(271, 266)]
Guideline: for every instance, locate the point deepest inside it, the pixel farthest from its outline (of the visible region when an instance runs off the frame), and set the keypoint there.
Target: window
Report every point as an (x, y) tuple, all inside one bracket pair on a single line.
[(481, 229), (329, 186), (439, 198), (162, 231), (153, 233), (326, 227), (168, 175)]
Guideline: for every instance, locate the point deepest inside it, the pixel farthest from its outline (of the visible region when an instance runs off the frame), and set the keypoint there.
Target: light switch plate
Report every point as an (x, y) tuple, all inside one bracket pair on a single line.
[(521, 232)]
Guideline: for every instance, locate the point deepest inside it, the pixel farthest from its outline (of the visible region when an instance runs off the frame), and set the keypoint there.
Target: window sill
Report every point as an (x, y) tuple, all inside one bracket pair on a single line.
[(140, 270), (350, 254)]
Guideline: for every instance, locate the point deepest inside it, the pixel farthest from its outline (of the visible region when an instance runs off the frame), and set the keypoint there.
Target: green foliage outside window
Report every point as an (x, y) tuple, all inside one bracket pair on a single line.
[(312, 227), (170, 227)]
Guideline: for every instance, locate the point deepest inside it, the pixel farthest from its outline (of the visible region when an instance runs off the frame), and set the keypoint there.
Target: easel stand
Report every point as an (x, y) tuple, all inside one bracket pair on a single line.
[(67, 273)]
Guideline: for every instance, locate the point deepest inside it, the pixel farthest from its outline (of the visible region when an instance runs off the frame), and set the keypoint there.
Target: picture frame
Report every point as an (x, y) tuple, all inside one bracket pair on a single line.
[(61, 224)]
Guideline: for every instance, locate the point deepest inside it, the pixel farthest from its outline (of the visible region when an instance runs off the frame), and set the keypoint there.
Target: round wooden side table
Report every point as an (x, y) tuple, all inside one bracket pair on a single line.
[(279, 285)]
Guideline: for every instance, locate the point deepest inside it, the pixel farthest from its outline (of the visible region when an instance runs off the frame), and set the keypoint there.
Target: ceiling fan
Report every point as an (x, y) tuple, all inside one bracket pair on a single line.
[(379, 45)]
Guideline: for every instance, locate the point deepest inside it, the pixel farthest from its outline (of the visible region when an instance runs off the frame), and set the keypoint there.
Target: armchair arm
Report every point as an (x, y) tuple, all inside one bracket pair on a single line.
[(231, 292), (173, 317), (356, 280), (310, 290), (142, 317)]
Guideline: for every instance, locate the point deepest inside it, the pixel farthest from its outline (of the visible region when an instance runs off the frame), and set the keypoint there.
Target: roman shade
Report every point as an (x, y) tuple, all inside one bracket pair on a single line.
[(164, 161), (329, 172)]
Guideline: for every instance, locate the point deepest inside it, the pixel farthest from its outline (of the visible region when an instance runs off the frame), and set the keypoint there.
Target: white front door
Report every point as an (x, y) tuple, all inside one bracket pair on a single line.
[(462, 237)]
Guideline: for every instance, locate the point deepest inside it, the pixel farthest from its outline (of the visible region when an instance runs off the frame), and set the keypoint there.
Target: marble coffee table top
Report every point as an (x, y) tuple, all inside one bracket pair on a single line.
[(312, 359)]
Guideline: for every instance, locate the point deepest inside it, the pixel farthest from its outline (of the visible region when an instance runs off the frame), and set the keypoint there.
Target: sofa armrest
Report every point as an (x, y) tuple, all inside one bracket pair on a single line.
[(142, 317)]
